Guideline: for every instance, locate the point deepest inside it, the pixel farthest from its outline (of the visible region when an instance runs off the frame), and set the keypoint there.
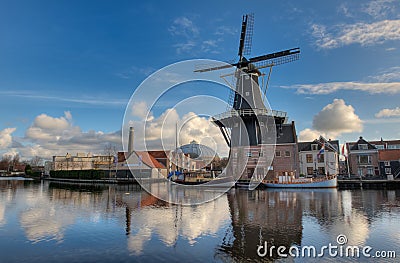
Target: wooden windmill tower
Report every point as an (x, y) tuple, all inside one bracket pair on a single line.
[(249, 123)]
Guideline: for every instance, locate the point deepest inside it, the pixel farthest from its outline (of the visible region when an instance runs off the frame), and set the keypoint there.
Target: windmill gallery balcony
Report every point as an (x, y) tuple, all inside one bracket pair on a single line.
[(249, 112)]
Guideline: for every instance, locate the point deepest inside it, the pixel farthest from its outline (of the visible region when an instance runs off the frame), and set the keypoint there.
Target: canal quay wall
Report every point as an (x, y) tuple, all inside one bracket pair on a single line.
[(368, 184), (102, 181)]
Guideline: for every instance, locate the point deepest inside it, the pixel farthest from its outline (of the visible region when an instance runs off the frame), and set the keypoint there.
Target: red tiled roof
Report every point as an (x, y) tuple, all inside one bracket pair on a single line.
[(389, 155), (149, 160), (158, 154)]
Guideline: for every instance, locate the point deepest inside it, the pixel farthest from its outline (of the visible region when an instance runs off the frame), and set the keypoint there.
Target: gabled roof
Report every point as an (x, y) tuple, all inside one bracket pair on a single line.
[(354, 146), (329, 145), (149, 160)]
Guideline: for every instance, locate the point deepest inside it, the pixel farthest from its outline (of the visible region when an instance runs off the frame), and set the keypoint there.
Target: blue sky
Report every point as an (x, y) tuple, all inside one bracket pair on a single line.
[(68, 68)]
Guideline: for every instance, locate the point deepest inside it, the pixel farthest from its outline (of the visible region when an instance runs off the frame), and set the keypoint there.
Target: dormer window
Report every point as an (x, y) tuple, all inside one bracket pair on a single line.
[(363, 146)]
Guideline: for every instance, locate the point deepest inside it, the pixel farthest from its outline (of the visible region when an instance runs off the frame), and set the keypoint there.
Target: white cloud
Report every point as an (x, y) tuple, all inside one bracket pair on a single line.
[(183, 26), (379, 8), (343, 8), (384, 113), (330, 87), (308, 135), (333, 120), (160, 132), (337, 118), (190, 40), (185, 47), (360, 33), (391, 74), (225, 30), (48, 136), (6, 137), (140, 109), (87, 100), (44, 121)]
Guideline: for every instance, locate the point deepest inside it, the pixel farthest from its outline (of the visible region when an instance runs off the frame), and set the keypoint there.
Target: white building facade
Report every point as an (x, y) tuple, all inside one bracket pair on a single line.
[(319, 157)]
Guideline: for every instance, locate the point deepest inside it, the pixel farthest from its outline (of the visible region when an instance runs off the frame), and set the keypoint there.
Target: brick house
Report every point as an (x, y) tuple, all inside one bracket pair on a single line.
[(389, 163), (272, 160), (363, 158)]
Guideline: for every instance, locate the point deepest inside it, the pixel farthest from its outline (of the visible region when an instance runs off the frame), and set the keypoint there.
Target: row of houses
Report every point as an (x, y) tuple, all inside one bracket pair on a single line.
[(323, 157), (306, 159), (192, 157), (374, 158)]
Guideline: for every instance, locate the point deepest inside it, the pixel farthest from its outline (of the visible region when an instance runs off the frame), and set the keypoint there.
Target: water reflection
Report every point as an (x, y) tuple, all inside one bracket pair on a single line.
[(171, 223), (102, 223), (303, 218)]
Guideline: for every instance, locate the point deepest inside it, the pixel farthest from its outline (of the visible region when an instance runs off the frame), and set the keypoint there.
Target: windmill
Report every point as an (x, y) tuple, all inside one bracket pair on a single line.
[(245, 124)]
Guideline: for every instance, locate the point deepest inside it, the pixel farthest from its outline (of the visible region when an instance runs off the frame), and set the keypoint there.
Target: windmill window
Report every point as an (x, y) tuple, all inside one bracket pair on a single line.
[(236, 124), (246, 77), (247, 93)]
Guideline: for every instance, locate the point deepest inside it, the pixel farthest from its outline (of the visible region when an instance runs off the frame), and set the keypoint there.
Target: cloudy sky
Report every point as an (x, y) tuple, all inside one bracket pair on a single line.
[(68, 69)]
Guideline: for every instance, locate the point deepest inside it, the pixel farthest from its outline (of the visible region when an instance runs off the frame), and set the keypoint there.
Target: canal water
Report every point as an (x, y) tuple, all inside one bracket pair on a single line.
[(54, 222)]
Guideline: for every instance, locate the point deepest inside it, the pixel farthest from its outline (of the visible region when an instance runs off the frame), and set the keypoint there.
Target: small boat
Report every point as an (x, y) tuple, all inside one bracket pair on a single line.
[(288, 182)]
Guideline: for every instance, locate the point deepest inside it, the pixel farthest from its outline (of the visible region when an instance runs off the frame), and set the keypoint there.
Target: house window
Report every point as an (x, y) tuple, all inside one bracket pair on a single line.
[(321, 170), (309, 158), (287, 153), (370, 171), (364, 159), (360, 171), (314, 147), (321, 158), (248, 154), (363, 146), (310, 171), (394, 146), (380, 147), (388, 170), (278, 153), (387, 163)]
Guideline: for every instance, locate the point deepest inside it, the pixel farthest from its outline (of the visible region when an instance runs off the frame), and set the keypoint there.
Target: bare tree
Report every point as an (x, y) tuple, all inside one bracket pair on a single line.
[(110, 151), (36, 161), (5, 162), (15, 161)]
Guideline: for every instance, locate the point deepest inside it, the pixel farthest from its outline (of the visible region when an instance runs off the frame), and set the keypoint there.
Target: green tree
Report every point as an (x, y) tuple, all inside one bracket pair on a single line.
[(28, 170)]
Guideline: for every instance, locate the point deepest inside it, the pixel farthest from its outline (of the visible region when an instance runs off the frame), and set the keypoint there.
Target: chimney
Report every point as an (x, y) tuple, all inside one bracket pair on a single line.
[(130, 140)]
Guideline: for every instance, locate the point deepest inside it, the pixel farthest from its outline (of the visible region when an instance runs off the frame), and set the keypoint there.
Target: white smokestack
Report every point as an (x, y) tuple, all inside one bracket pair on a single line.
[(130, 140)]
